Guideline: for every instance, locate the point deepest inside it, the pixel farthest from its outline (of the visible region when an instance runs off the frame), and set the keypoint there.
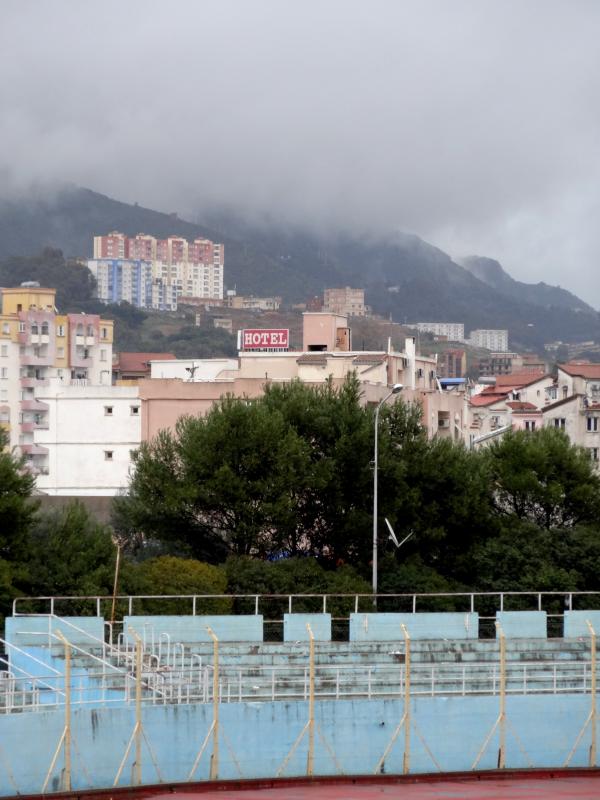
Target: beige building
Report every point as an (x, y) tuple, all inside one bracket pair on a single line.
[(326, 355), (347, 301)]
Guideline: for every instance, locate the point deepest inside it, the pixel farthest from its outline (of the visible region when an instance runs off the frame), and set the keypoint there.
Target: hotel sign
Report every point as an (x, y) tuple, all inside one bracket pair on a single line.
[(264, 339)]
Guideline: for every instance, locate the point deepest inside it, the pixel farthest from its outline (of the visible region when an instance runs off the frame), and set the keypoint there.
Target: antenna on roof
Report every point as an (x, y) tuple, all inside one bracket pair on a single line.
[(393, 536), (192, 371)]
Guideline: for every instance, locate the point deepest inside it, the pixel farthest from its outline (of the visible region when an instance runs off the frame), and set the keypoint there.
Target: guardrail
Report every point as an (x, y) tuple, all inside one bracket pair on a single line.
[(257, 603), (284, 683)]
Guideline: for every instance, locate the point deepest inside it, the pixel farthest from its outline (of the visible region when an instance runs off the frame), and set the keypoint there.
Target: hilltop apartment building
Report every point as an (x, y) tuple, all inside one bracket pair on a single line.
[(347, 301), (155, 273), (453, 331)]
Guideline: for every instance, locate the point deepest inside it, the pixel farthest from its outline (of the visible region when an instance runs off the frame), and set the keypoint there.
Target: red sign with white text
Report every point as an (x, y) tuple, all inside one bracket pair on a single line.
[(265, 339)]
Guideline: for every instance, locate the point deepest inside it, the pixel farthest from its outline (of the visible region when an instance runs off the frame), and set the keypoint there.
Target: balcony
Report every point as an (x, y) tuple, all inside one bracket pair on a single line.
[(40, 360), (31, 382), (31, 426), (33, 450), (33, 405), (33, 469), (80, 340)]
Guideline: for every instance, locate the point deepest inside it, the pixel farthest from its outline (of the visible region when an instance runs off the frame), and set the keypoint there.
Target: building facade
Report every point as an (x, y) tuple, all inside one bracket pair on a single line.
[(347, 301), (453, 331), (90, 439), (490, 339), (193, 386), (452, 364), (154, 273), (37, 345)]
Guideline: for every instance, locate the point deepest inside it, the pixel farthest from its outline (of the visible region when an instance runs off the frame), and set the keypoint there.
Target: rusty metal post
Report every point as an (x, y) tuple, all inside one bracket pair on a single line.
[(311, 703), (593, 689), (502, 748), (65, 739), (406, 758), (214, 759)]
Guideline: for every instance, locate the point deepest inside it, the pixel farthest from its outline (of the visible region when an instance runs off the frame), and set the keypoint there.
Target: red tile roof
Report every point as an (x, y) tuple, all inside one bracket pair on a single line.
[(485, 399), (581, 369), (519, 379), (518, 405), (139, 362)]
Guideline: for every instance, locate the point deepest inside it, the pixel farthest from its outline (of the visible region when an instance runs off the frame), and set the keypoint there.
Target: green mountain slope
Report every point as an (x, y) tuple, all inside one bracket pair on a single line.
[(404, 277), (540, 294)]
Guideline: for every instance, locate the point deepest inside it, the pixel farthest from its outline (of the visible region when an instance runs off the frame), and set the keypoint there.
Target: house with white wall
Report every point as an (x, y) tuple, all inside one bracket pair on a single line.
[(91, 436)]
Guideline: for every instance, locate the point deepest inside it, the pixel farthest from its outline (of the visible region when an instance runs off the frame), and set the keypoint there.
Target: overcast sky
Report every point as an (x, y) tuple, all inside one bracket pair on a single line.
[(474, 124)]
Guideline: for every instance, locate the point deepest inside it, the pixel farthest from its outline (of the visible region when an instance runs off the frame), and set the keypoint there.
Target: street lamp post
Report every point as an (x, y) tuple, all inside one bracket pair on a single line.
[(397, 387)]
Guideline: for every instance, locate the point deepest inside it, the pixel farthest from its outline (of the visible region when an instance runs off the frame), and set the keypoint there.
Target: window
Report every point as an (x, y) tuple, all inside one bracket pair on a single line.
[(4, 373), (3, 394), (102, 355), (60, 352), (21, 327), (135, 411), (529, 424), (104, 333), (60, 330), (4, 350), (593, 453), (5, 327), (592, 424), (560, 422), (108, 411), (108, 455), (45, 329)]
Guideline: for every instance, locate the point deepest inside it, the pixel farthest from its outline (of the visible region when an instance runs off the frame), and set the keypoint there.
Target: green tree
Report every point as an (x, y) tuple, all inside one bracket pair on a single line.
[(17, 512), (542, 478), (220, 483), (170, 575), (71, 554)]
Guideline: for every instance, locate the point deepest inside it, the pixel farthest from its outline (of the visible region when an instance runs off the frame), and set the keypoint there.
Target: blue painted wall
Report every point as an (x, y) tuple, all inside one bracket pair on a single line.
[(247, 628), (576, 624), (523, 624), (256, 737), (294, 627), (386, 627)]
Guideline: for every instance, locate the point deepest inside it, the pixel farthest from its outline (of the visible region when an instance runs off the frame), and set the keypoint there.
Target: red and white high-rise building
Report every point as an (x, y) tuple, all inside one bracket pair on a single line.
[(191, 269)]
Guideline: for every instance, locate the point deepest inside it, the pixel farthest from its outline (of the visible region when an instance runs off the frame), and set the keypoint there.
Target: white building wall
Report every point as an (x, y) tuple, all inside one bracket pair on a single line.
[(490, 339), (92, 431), (193, 369), (455, 331)]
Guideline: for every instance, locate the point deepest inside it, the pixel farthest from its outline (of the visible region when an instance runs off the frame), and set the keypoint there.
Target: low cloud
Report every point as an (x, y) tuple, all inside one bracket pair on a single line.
[(473, 124)]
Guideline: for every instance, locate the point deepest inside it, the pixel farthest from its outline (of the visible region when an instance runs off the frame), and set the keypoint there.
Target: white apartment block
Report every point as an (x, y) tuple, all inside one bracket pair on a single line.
[(90, 438), (37, 345), (495, 340), (453, 331)]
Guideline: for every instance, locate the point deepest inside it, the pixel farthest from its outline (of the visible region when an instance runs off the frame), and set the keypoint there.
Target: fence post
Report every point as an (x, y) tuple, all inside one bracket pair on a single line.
[(311, 702), (214, 759), (593, 689), (502, 748), (406, 758), (65, 739)]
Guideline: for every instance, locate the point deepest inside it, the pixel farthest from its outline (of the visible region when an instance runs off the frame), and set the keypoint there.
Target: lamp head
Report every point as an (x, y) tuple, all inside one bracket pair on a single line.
[(397, 387)]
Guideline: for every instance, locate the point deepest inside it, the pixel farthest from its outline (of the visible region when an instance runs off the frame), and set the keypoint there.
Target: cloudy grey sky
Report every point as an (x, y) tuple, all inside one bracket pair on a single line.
[(473, 123)]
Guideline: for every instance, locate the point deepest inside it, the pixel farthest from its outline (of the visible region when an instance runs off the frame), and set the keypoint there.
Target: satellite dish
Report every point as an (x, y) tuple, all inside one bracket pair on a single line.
[(393, 536)]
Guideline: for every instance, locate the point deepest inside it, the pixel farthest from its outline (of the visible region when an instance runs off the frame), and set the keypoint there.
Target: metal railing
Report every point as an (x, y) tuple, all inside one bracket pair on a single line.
[(412, 602), (250, 683)]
